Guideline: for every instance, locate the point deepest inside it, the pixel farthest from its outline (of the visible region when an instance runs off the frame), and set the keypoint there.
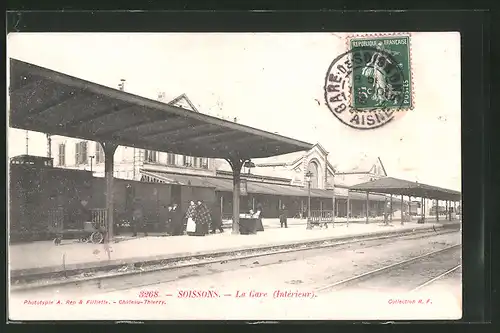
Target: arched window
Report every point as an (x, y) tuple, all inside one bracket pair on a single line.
[(313, 168)]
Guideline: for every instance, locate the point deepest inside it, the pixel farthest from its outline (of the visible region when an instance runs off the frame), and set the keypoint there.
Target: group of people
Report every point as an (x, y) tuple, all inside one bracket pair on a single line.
[(200, 221), (197, 221)]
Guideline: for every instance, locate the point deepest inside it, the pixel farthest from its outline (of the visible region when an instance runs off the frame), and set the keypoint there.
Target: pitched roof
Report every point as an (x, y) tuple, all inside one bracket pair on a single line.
[(226, 185), (285, 159), (184, 102), (47, 101), (390, 185), (181, 101), (259, 171), (363, 163), (289, 159)]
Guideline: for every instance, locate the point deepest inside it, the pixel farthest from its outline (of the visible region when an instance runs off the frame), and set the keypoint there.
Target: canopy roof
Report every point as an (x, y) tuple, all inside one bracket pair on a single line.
[(50, 102), (390, 185), (253, 187)]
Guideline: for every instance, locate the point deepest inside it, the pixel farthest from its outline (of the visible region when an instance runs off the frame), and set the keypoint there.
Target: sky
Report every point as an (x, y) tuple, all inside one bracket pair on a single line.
[(269, 81)]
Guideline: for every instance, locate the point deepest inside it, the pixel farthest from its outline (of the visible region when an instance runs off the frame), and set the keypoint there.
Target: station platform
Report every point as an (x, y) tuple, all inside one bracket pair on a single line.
[(275, 223), (44, 256)]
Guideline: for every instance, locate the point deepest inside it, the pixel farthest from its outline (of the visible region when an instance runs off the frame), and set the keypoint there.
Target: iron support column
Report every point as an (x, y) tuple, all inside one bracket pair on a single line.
[(367, 206), (221, 206), (437, 210), (236, 165), (334, 210), (309, 225), (402, 208), (422, 208), (109, 154), (390, 216), (348, 208)]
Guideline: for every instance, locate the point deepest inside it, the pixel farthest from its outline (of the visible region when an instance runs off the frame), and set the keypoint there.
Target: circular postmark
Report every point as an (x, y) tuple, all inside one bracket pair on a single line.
[(365, 87)]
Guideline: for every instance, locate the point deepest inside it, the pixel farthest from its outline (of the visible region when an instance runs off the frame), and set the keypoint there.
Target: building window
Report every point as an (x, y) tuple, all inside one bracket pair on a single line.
[(170, 159), (81, 153), (99, 153), (62, 154), (187, 161), (197, 162), (151, 156), (204, 163), (313, 168)]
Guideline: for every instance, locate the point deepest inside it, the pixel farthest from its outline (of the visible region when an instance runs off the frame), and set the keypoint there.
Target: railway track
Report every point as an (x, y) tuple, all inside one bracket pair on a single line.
[(386, 269), (437, 278), (145, 277)]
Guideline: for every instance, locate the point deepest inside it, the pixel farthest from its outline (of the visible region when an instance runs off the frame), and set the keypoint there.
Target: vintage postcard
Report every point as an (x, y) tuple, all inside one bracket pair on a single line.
[(242, 176)]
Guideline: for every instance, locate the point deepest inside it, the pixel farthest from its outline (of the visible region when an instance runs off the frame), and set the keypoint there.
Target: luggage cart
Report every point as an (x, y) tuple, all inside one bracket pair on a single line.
[(91, 233)]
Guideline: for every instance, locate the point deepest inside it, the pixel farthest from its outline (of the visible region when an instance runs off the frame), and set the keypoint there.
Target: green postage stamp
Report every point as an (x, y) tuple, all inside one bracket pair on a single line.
[(385, 80), (370, 84)]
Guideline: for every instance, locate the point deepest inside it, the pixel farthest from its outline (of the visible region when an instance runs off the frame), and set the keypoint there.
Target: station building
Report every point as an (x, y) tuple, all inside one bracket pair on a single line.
[(272, 182)]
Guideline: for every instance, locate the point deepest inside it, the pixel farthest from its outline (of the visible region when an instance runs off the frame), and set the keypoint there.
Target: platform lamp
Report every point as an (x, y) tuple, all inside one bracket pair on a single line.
[(91, 160), (249, 165), (308, 180)]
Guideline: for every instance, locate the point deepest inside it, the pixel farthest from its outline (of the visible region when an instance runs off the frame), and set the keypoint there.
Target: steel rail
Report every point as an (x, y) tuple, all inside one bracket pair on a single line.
[(437, 278), (383, 269), (97, 279)]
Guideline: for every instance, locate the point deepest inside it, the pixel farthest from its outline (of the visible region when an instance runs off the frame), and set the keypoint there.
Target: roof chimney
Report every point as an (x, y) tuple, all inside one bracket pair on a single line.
[(121, 85)]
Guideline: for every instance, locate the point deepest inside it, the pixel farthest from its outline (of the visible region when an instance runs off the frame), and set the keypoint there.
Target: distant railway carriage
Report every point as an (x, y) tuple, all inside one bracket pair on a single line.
[(440, 209), (42, 199), (415, 208), (40, 196)]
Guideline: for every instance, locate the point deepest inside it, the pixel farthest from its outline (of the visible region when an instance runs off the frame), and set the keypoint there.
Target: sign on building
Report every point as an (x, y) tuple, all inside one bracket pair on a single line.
[(243, 187)]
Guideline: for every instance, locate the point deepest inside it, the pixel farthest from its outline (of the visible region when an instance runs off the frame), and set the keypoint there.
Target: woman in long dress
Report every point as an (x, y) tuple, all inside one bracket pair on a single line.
[(176, 221), (190, 216), (258, 214), (202, 219)]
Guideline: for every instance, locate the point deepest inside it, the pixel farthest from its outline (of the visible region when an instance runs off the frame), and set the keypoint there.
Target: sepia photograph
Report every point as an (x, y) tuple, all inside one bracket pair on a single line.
[(234, 176)]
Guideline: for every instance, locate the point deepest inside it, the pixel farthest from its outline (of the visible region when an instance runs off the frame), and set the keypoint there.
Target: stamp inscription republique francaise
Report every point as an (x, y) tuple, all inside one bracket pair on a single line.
[(367, 86)]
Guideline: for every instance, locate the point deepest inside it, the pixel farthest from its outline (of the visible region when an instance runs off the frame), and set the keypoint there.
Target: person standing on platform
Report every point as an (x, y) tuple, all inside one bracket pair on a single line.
[(216, 220), (284, 216), (168, 221), (190, 219), (258, 216), (202, 219), (176, 221), (138, 218)]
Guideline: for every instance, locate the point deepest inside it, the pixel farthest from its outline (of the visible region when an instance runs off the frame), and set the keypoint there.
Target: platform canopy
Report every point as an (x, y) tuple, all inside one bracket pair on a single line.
[(47, 101), (390, 185), (253, 187)]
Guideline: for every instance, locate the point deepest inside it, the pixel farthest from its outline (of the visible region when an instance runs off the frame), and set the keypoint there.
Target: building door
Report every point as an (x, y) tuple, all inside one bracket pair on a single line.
[(176, 197)]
